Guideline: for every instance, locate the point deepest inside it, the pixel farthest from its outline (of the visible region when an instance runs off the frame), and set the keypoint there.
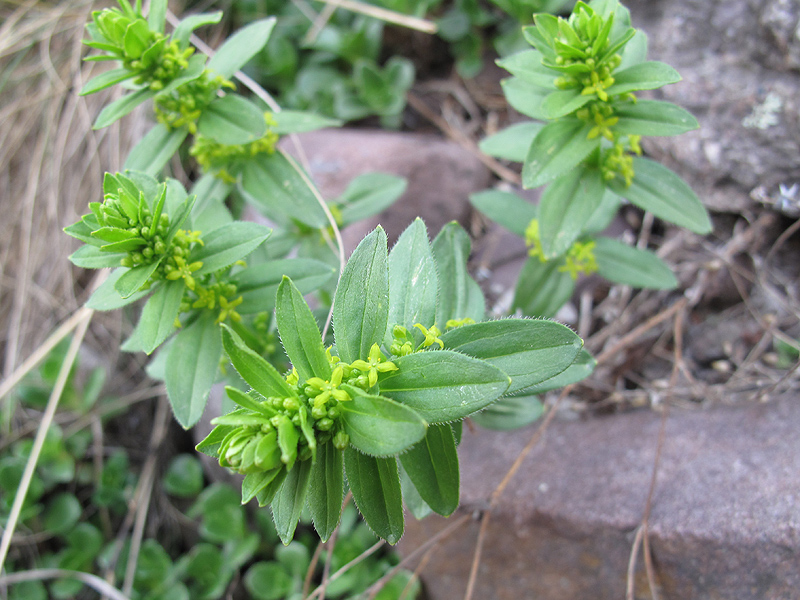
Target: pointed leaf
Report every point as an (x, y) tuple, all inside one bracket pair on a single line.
[(299, 121), (133, 279), (256, 371), (290, 499), (525, 97), (512, 143), (506, 209), (541, 288), (241, 47), (564, 102), (528, 351), (459, 295), (157, 321), (106, 297), (225, 245), (432, 465), (510, 412), (361, 305), (105, 80), (379, 426), (369, 194), (663, 193), (413, 284), (255, 482), (375, 484), (326, 490), (558, 148), (443, 385), (192, 365), (643, 76), (155, 149), (232, 120), (527, 65), (566, 206), (653, 117), (280, 189), (258, 284), (121, 107), (299, 333), (91, 257), (623, 264), (183, 31), (578, 371)]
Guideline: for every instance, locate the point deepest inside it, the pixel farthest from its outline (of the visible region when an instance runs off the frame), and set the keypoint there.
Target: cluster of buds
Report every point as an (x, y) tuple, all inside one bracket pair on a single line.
[(183, 106), (583, 52), (276, 432), (579, 258), (125, 35), (617, 161), (216, 158)]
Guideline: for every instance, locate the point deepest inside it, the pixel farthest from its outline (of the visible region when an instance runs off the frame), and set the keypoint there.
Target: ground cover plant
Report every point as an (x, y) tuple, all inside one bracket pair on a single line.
[(364, 388)]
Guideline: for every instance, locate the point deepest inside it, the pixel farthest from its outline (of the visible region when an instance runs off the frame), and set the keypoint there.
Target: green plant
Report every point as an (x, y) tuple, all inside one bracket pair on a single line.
[(579, 83)]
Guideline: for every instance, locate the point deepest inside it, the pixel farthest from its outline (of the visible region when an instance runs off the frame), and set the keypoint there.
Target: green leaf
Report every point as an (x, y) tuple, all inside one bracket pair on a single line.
[(510, 412), (527, 65), (192, 365), (577, 371), (380, 426), (290, 499), (643, 76), (83, 232), (326, 490), (528, 351), (541, 288), (300, 121), (157, 321), (184, 29), (268, 581), (155, 149), (241, 47), (211, 443), (225, 245), (121, 107), (91, 257), (105, 80), (525, 97), (258, 284), (375, 484), (299, 333), (413, 284), (566, 206), (623, 264), (106, 297), (653, 117), (268, 492), (256, 371), (506, 209), (369, 194), (232, 120), (564, 102), (361, 305), (184, 476), (254, 483), (443, 385), (459, 295), (432, 465), (157, 16), (559, 147), (247, 402), (512, 143), (132, 280), (62, 513), (280, 189), (663, 193)]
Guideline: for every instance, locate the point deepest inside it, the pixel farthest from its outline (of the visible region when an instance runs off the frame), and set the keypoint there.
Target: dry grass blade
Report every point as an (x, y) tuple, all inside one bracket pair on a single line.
[(93, 581), (383, 14)]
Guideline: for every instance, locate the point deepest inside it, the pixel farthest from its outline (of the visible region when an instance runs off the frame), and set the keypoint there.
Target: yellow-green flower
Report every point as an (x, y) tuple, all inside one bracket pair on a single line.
[(375, 364), (431, 335)]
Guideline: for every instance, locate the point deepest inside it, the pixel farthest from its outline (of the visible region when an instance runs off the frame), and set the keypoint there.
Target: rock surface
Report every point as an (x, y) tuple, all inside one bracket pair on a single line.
[(740, 64), (441, 175), (724, 523)]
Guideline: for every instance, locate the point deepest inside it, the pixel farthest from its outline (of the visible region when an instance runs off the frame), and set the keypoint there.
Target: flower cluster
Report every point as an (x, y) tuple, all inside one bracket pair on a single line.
[(270, 434), (216, 158), (183, 106), (150, 58), (578, 259)]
